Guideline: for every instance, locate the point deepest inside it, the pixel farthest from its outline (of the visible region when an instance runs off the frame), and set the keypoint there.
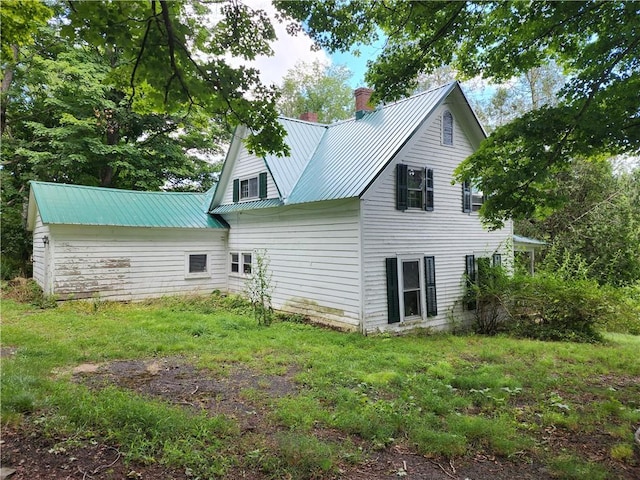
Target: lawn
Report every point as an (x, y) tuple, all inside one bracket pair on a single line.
[(196, 388)]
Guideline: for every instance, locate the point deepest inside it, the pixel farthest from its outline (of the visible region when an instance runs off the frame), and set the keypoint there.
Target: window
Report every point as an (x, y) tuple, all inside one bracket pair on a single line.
[(241, 263), (447, 128), (411, 288), (196, 265), (246, 263), (415, 188), (250, 188), (472, 198)]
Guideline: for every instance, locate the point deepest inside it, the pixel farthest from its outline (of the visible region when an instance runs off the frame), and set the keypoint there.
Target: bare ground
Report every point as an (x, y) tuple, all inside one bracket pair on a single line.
[(244, 395)]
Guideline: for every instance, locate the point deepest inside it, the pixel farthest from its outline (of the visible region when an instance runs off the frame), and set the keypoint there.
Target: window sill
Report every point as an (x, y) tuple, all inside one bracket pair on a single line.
[(189, 276)]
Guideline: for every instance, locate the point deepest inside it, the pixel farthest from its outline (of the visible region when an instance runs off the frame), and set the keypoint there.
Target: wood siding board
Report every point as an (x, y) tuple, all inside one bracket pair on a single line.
[(124, 263), (314, 253), (445, 233)]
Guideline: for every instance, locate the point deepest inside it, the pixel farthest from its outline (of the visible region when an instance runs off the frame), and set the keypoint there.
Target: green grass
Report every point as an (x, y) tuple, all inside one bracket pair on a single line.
[(439, 395)]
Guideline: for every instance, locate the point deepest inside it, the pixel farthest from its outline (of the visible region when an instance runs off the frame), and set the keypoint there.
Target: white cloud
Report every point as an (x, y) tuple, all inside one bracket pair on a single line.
[(288, 50)]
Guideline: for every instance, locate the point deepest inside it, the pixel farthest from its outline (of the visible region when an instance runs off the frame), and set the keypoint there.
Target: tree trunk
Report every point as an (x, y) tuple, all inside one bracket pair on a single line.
[(4, 88)]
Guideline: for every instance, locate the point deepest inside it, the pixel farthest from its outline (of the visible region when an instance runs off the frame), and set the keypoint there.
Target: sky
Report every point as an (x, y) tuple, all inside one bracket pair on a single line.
[(290, 50)]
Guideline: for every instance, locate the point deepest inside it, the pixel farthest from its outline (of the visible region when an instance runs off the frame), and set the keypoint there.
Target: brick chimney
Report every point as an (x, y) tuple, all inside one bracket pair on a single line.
[(309, 117), (362, 101)]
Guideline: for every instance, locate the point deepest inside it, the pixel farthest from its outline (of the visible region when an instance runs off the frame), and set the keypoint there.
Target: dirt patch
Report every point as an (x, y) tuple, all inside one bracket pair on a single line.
[(238, 392), (6, 351)]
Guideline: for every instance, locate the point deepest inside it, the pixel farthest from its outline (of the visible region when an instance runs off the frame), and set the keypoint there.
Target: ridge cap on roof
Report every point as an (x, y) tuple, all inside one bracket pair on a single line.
[(306, 122), (111, 189)]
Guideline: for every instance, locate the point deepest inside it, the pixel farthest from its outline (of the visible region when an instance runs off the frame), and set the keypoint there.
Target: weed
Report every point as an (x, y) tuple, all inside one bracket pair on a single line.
[(571, 467), (622, 452), (305, 456)]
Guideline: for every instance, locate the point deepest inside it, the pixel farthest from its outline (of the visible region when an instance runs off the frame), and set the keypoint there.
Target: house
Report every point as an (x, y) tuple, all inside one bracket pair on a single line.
[(361, 223), (124, 245)]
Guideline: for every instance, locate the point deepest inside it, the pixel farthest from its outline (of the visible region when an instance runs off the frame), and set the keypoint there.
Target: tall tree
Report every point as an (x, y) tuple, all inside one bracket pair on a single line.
[(319, 88), (596, 43), (599, 222)]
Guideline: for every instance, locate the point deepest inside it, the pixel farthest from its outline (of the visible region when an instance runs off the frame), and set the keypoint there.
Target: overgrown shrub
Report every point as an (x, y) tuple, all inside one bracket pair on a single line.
[(27, 291), (259, 288), (549, 307), (627, 300)]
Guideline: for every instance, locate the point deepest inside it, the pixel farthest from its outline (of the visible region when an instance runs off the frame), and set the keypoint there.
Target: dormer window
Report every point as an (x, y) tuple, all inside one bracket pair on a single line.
[(447, 128), (251, 188)]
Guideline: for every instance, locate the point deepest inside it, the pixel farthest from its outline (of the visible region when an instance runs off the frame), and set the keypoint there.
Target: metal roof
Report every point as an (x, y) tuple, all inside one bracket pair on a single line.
[(60, 203), (238, 207), (351, 154), (526, 241), (303, 139)]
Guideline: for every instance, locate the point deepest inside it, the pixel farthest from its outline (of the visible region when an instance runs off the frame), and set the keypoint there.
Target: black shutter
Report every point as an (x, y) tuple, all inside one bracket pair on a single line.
[(430, 280), (236, 191), (466, 197), (402, 192), (497, 260), (262, 181), (428, 189), (393, 298), (470, 271)]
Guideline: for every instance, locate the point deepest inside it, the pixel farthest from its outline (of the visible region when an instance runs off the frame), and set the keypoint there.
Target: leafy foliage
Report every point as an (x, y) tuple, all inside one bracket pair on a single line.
[(597, 44), (599, 222), (315, 87), (259, 288)]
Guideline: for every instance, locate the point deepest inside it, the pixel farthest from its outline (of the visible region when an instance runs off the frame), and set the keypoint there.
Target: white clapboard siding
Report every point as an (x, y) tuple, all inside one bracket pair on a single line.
[(125, 263), (41, 252), (446, 233), (314, 254), (245, 166)]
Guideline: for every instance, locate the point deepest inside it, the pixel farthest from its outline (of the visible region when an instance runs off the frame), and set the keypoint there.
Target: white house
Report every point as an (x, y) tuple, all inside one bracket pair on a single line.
[(124, 245), (361, 222)]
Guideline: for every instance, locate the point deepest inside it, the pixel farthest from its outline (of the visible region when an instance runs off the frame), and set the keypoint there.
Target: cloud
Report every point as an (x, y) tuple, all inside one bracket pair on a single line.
[(288, 50)]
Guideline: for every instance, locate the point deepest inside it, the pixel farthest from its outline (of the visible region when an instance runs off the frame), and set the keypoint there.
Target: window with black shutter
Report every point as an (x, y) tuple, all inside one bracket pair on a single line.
[(430, 285), (428, 198)]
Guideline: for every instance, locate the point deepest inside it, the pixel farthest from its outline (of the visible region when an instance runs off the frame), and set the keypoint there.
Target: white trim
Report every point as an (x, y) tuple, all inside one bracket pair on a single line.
[(248, 180), (423, 287), (241, 264), (187, 261)]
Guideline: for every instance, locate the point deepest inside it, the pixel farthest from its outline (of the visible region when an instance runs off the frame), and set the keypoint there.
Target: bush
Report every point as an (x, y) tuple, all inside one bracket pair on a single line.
[(627, 319), (548, 307), (28, 291)]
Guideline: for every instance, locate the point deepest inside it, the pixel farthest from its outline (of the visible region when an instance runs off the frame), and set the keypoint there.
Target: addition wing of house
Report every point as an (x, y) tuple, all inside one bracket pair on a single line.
[(235, 189)]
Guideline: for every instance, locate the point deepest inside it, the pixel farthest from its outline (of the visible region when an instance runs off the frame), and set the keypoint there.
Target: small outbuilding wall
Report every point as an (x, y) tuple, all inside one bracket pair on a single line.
[(126, 263)]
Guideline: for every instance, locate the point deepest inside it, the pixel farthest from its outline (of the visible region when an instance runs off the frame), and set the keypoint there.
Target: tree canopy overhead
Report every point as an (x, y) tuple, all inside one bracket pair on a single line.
[(595, 43)]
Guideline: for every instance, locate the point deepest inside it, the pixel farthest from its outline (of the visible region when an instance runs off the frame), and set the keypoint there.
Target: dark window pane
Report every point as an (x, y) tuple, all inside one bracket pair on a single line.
[(415, 178), (244, 188), (412, 303), (253, 187), (246, 263), (411, 275), (414, 199), (197, 263)]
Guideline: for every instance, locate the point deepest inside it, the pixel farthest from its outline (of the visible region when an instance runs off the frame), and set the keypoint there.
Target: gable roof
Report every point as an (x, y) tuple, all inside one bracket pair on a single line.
[(342, 160), (59, 203)]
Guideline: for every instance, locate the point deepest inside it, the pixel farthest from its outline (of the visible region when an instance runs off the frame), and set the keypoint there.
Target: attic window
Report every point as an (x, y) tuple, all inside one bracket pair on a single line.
[(250, 188), (447, 128)]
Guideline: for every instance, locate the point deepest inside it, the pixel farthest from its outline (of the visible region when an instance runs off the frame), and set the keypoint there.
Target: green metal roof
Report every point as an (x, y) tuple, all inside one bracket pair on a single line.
[(342, 160), (238, 207), (60, 203), (351, 154)]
